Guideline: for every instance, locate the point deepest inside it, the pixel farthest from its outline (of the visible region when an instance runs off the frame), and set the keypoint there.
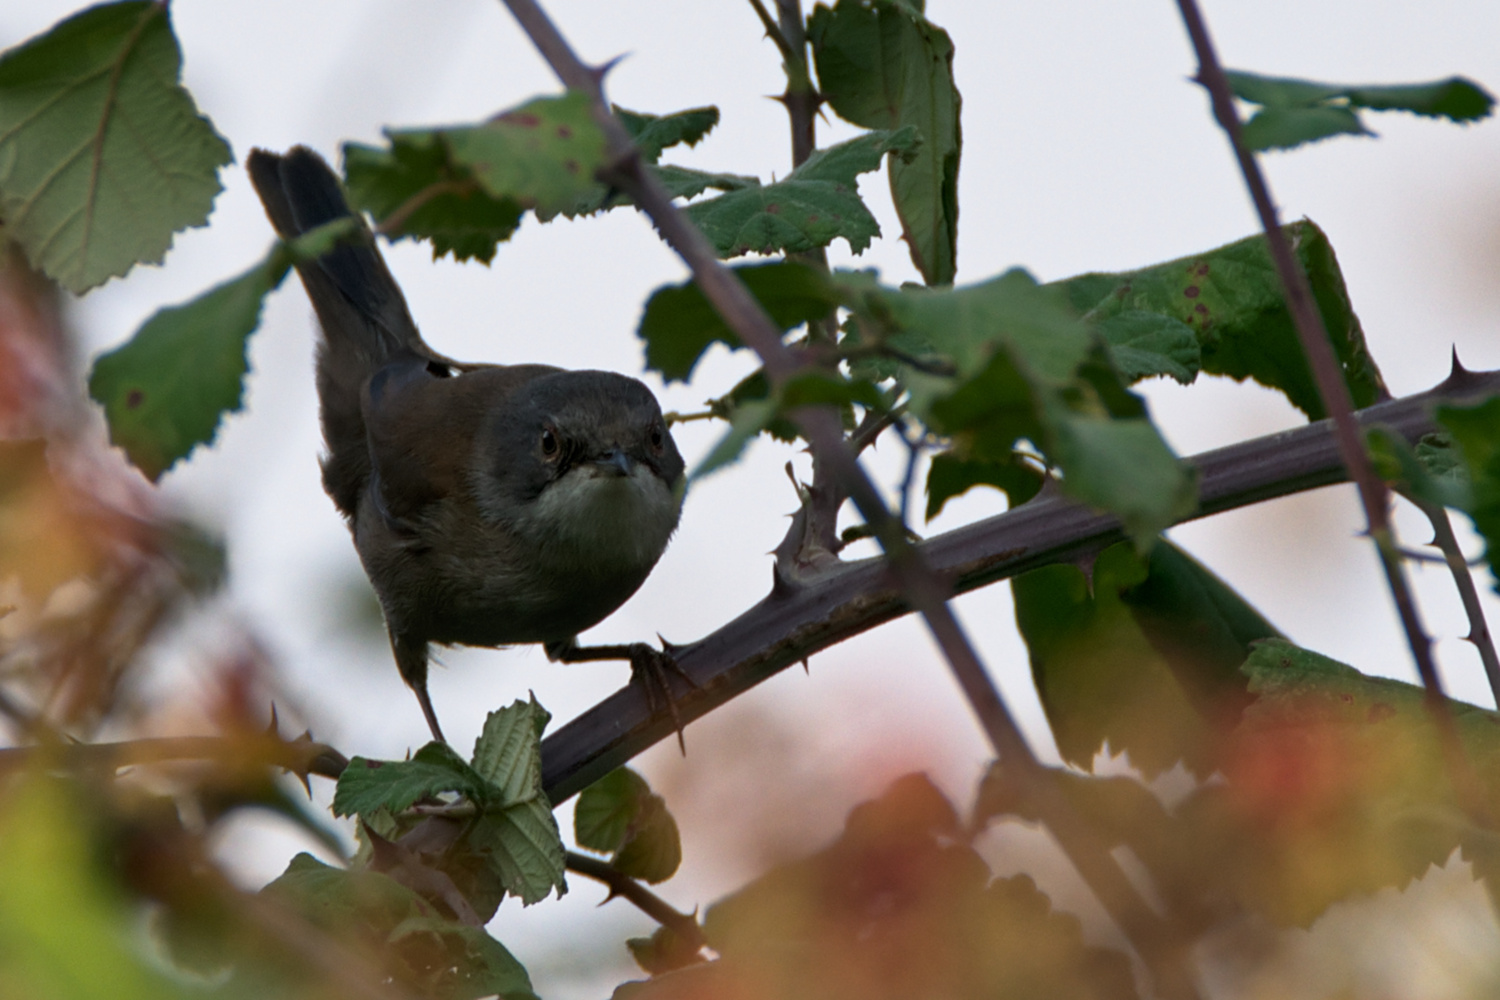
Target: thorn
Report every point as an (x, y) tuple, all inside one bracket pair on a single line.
[(781, 584), (805, 668), (271, 730), (670, 648), (601, 71), (1458, 368)]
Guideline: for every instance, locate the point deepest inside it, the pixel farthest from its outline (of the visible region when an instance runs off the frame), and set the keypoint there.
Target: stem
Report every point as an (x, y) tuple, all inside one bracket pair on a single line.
[(302, 757), (927, 594), (1463, 579), (681, 924), (1335, 397)]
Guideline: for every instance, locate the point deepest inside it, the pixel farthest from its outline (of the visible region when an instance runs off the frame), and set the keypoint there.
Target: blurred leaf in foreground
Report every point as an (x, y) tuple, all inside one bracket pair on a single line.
[(898, 907)]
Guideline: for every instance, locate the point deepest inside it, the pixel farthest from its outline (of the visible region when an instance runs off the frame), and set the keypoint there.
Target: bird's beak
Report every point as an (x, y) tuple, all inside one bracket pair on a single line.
[(617, 462)]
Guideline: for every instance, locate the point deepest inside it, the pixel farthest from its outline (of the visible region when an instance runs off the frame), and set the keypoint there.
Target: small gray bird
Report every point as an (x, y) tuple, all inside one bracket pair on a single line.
[(490, 504)]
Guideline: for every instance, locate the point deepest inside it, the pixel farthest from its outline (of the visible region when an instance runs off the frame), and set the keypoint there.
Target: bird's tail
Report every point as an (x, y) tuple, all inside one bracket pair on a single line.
[(363, 314)]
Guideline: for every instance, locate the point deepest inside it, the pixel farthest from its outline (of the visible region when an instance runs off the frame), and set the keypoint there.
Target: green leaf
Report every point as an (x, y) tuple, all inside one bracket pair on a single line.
[(474, 964), (464, 187), (1231, 299), (1025, 368), (620, 814), (1298, 111), (816, 203), (524, 847), (370, 785), (747, 421), (438, 198), (679, 324), (1432, 472), (881, 64), (653, 134), (1146, 344), (440, 958), (606, 809), (103, 155), (1145, 656), (952, 475), (653, 851), (684, 182), (165, 390), (508, 753), (1287, 128), (1476, 429)]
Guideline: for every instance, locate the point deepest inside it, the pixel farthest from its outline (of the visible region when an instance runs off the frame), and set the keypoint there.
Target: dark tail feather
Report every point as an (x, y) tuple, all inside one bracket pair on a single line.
[(363, 314)]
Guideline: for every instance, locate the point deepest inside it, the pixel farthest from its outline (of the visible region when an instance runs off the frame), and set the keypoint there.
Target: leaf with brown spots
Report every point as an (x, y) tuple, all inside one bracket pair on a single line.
[(1231, 301)]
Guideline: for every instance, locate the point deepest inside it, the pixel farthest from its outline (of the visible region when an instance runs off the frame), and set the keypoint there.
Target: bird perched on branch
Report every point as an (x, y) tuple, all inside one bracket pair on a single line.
[(490, 504)]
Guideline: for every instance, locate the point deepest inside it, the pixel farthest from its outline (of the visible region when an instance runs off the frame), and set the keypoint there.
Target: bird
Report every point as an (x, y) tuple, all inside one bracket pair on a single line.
[(490, 504)]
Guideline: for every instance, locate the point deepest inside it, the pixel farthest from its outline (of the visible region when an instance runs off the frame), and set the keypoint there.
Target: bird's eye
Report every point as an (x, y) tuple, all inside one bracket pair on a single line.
[(656, 437), (549, 442)]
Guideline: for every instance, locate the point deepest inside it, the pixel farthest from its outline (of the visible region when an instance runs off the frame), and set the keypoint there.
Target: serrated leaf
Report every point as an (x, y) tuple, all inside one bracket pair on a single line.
[(679, 324), (1287, 128), (1297, 111), (343, 899), (1146, 344), (1476, 429), (1144, 654), (524, 848), (684, 182), (606, 809), (883, 65), (370, 785), (508, 753), (465, 187), (103, 155), (653, 134), (1023, 367), (439, 199), (1231, 298), (165, 390), (816, 203)]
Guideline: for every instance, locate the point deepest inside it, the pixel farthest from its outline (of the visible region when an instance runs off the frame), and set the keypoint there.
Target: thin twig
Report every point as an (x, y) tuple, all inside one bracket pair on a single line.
[(299, 756), (1335, 397), (1463, 579), (1157, 942), (681, 924)]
